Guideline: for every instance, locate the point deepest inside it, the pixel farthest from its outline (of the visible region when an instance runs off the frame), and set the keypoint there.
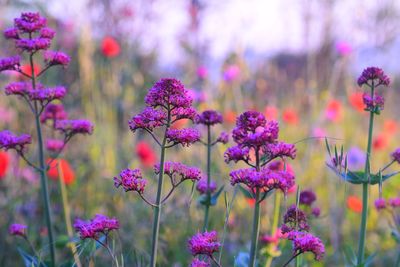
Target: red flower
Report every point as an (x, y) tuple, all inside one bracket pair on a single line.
[(4, 163), (230, 116), (179, 124), (354, 203), (67, 171), (28, 70), (290, 116), (146, 154), (390, 127), (110, 47), (333, 111), (271, 113), (356, 101), (379, 142)]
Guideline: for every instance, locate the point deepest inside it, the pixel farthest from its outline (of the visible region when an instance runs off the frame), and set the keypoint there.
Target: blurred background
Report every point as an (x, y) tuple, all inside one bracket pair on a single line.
[(297, 61)]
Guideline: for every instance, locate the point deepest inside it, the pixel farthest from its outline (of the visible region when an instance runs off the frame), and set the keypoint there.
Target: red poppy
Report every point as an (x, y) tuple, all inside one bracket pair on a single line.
[(354, 203), (379, 142), (67, 171), (110, 47), (230, 116), (356, 101), (4, 163), (390, 127), (333, 111), (28, 70), (251, 201), (146, 154), (290, 116), (271, 112)]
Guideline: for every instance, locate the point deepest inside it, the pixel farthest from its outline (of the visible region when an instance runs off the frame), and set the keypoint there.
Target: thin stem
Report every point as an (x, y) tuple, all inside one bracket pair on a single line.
[(256, 220), (275, 223), (148, 202), (157, 209), (21, 154), (398, 260), (215, 261), (170, 191), (294, 256), (67, 213), (109, 251), (208, 202), (152, 135), (388, 165), (31, 246), (43, 178), (43, 70), (364, 214), (25, 74)]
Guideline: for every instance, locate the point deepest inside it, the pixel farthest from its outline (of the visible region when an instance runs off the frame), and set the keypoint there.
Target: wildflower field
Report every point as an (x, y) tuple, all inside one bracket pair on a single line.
[(130, 136)]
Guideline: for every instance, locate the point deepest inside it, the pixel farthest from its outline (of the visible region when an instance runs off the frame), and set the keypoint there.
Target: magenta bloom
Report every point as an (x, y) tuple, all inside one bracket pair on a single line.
[(56, 58), (17, 229), (47, 33), (11, 33), (149, 119), (131, 180), (380, 204), (306, 242), (34, 44), (307, 197), (10, 63), (209, 118), (203, 188), (373, 75), (72, 127), (375, 103), (280, 150), (185, 137), (396, 155), (231, 73), (204, 243), (294, 219), (53, 112), (30, 22), (236, 153), (55, 145), (17, 88), (316, 211), (8, 140), (174, 169), (394, 202), (97, 225), (199, 263), (47, 95), (223, 138)]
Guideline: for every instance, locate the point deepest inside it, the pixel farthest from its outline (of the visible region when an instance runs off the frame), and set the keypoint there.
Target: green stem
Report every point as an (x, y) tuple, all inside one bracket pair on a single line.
[(43, 178), (364, 214), (157, 208), (256, 221), (208, 202), (275, 222), (398, 260)]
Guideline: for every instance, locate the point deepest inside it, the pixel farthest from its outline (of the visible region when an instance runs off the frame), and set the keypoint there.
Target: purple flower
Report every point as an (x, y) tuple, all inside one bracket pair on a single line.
[(11, 33), (17, 229), (72, 127), (316, 211), (56, 58), (173, 169), (55, 145), (131, 180), (53, 112), (30, 22), (168, 93), (209, 118), (185, 137), (183, 113), (375, 103), (380, 204), (236, 153), (32, 45), (17, 88), (355, 158), (204, 243), (92, 228), (307, 197), (280, 149), (48, 94), (203, 188), (373, 75), (231, 73), (199, 263), (223, 138), (306, 242), (149, 119), (396, 155), (294, 219), (10, 63), (394, 202), (47, 33), (8, 140)]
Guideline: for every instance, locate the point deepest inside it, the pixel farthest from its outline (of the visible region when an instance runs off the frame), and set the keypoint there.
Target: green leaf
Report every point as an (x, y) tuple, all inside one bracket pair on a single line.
[(367, 261), (328, 147), (245, 192), (62, 241), (396, 236), (350, 255), (29, 260), (214, 198)]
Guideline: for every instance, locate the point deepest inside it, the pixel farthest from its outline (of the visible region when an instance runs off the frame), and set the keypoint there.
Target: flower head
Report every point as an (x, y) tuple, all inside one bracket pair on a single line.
[(34, 44), (10, 63), (306, 242), (316, 211), (47, 95), (8, 140), (149, 119), (30, 22), (97, 225), (17, 229), (185, 137), (17, 88), (280, 150), (375, 103), (4, 163), (61, 168), (223, 138), (209, 118), (131, 180), (295, 219), (146, 154), (203, 187), (394, 202), (199, 263), (236, 153), (396, 155), (72, 127), (55, 145), (380, 204), (373, 75), (110, 47), (174, 169), (53, 112), (56, 58), (307, 197), (204, 243), (11, 33)]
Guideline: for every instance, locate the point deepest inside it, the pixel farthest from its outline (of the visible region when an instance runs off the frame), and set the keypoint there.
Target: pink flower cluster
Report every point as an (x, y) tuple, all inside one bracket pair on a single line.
[(375, 103), (381, 203), (53, 112), (396, 155), (294, 219), (100, 224), (204, 244), (148, 119), (131, 180), (373, 75), (199, 263), (174, 169), (306, 242), (17, 229), (185, 137), (8, 140), (41, 94), (10, 63), (203, 188), (208, 117), (72, 127)]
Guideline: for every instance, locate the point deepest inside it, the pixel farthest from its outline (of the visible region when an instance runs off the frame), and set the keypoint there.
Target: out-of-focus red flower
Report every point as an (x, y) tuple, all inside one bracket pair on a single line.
[(271, 112), (28, 70), (110, 47), (4, 163), (146, 154), (379, 142), (179, 124), (356, 101), (251, 201), (354, 203), (290, 116), (343, 48), (390, 127), (334, 110), (67, 171), (230, 117), (202, 72)]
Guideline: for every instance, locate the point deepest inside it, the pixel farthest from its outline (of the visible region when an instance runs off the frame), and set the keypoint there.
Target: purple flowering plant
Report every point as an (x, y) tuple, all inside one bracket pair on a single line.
[(32, 40)]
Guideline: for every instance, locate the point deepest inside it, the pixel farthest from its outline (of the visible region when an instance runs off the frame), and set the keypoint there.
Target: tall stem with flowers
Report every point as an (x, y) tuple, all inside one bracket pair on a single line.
[(33, 38), (167, 102)]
